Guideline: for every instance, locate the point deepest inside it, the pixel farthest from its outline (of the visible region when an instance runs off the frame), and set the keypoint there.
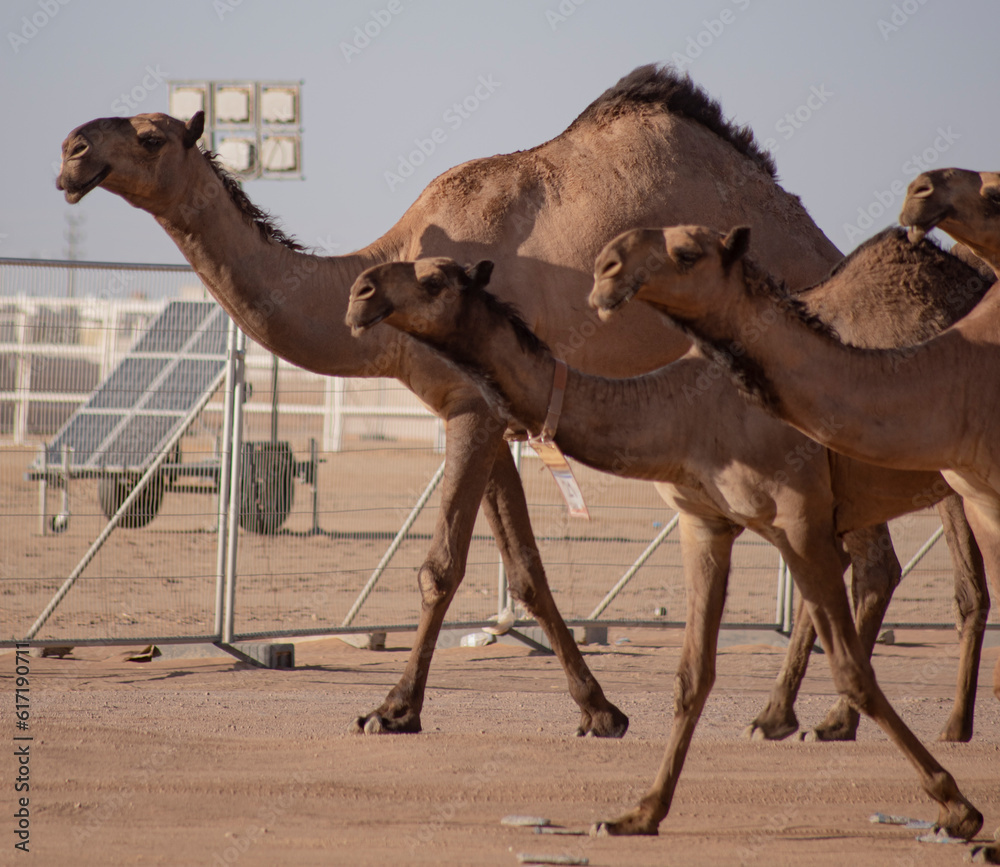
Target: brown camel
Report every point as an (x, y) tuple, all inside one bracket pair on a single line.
[(649, 427), (928, 289), (653, 149), (931, 406), (962, 203)]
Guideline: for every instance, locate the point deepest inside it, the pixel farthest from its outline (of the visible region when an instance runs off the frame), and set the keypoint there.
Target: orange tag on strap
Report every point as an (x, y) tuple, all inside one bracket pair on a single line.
[(561, 471)]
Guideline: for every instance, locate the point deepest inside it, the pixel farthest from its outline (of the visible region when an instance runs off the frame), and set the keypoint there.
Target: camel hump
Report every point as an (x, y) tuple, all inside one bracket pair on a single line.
[(665, 88)]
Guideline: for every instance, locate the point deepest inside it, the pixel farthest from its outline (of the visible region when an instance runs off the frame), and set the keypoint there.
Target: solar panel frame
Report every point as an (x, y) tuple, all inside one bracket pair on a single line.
[(155, 388)]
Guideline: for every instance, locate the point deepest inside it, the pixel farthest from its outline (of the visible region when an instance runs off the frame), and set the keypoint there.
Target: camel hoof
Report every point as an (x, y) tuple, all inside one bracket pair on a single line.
[(963, 820), (622, 828), (955, 734), (984, 855), (611, 723), (757, 732), (767, 728), (640, 821), (821, 735), (378, 722)]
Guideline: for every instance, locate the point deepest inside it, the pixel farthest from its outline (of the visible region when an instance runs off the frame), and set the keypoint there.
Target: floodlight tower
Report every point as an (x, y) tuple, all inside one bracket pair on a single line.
[(254, 126)]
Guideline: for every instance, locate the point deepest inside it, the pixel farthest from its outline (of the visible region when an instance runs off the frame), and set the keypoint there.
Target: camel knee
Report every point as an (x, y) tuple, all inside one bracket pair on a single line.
[(436, 585), (691, 689), (858, 688), (526, 579), (972, 606)]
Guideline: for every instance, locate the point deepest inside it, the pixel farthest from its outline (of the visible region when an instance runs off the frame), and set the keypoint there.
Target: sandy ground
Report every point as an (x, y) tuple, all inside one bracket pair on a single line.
[(203, 761)]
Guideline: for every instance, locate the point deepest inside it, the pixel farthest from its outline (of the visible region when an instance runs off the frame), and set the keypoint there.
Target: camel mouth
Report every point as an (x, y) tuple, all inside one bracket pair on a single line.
[(359, 328), (75, 193), (919, 225), (608, 305)]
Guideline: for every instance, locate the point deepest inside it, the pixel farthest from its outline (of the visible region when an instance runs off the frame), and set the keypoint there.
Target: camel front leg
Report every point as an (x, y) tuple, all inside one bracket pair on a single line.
[(706, 547), (813, 560), (972, 607), (507, 512), (470, 448)]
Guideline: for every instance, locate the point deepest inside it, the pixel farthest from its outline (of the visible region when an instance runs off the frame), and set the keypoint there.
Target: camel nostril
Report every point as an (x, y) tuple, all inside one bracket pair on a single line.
[(923, 191), (79, 149), (364, 293), (612, 267)]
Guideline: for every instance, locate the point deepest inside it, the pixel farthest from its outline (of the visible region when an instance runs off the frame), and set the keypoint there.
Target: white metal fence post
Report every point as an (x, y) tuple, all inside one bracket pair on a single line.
[(225, 474), (233, 530)]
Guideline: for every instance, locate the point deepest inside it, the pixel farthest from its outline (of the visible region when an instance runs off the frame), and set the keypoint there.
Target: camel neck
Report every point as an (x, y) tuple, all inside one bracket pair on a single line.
[(859, 402), (630, 427), (289, 301)]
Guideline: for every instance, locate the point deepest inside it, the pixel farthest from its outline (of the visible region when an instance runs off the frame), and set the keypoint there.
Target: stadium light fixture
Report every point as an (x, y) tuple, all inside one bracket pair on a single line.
[(254, 126)]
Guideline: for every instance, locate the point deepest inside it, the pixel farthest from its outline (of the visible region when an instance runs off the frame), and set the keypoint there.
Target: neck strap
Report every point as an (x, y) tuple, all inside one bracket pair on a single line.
[(559, 377)]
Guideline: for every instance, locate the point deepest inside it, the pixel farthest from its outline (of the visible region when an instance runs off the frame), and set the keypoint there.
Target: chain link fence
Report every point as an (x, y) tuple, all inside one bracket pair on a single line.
[(331, 471)]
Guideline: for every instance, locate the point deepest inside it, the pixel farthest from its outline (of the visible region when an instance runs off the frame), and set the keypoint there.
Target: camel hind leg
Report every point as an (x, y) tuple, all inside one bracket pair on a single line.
[(983, 514), (854, 678), (706, 548), (874, 575), (972, 607)]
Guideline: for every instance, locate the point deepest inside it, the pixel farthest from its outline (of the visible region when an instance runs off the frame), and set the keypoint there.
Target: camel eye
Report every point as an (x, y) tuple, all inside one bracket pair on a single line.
[(687, 257), (152, 141), (432, 285)]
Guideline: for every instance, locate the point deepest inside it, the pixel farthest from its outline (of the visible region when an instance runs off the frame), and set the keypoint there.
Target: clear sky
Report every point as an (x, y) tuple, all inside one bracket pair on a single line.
[(854, 97)]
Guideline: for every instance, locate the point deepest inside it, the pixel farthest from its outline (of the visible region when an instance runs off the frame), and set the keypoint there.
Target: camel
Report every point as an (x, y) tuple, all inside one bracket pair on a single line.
[(924, 407), (652, 149), (736, 477), (963, 203), (928, 290)]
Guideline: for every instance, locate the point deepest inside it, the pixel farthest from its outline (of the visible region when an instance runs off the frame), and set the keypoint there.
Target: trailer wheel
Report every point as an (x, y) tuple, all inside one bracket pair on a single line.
[(112, 491), (267, 486)]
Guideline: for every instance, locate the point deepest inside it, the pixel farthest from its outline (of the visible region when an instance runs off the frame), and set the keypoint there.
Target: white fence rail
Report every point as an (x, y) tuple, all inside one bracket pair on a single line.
[(324, 566)]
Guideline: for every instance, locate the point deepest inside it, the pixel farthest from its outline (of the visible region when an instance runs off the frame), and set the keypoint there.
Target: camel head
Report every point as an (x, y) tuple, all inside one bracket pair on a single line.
[(423, 298), (963, 203), (675, 268), (140, 158)]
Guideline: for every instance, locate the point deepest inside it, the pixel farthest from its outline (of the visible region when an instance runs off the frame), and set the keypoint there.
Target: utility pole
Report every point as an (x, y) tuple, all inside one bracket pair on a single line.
[(74, 235)]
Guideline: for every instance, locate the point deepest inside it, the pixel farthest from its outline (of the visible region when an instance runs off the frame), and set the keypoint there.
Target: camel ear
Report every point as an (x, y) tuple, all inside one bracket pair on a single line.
[(735, 246), (479, 274), (193, 129)]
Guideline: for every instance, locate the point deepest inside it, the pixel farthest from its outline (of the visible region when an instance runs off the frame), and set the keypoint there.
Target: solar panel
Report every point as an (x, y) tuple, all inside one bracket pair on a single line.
[(128, 419)]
